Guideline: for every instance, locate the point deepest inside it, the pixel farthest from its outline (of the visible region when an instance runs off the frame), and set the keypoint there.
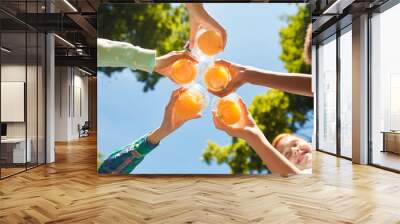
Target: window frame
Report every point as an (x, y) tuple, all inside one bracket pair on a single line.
[(29, 29), (339, 28), (378, 10)]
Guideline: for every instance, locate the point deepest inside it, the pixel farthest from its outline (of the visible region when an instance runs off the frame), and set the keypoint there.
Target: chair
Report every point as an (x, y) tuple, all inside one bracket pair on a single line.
[(84, 130)]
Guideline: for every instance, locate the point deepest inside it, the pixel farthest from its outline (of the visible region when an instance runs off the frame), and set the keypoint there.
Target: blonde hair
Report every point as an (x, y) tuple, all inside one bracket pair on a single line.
[(278, 138), (307, 45)]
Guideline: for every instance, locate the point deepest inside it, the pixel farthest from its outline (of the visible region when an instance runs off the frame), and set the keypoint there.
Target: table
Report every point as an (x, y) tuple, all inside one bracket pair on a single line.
[(18, 150)]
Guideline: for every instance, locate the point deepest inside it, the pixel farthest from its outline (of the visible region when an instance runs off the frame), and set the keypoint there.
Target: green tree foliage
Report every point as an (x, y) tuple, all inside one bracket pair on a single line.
[(100, 158), (292, 41), (153, 26), (275, 112)]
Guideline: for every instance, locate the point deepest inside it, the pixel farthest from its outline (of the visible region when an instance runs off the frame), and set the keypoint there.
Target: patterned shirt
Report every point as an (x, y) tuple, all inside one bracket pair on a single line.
[(125, 159)]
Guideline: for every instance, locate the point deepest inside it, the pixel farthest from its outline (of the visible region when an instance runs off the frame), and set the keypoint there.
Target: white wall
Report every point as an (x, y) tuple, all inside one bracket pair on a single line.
[(33, 126), (81, 94), (12, 73), (70, 84), (62, 81)]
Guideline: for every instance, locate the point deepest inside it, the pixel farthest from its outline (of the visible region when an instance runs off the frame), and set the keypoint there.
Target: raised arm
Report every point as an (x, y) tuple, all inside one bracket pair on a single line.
[(296, 83), (199, 18), (121, 54), (275, 161), (289, 82), (125, 159), (247, 129)]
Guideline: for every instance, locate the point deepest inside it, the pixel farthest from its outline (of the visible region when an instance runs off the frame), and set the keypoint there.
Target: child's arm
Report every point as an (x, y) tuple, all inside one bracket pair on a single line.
[(125, 159), (247, 129), (289, 82), (122, 54), (199, 18), (277, 163)]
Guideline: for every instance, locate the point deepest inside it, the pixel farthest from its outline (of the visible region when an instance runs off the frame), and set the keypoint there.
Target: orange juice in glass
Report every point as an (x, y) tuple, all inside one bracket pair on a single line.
[(184, 71), (228, 109), (217, 77), (191, 102), (208, 44)]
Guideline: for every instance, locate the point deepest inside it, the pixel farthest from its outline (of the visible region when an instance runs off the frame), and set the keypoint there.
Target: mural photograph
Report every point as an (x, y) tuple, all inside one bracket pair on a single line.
[(204, 89)]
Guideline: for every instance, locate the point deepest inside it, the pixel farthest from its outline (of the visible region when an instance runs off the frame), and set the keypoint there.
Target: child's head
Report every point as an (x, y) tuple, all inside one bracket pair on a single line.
[(295, 149)]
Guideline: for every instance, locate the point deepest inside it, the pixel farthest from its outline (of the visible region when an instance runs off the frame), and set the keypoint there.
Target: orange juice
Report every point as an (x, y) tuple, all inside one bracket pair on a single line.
[(183, 71), (210, 43), (217, 77), (189, 104), (229, 111)]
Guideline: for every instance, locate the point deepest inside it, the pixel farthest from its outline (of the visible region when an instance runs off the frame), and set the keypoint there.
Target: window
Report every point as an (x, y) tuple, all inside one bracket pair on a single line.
[(327, 95), (385, 88), (22, 77), (346, 92)]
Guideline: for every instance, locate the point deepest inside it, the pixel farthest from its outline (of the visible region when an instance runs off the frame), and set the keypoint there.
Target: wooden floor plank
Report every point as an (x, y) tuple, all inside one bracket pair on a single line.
[(70, 191)]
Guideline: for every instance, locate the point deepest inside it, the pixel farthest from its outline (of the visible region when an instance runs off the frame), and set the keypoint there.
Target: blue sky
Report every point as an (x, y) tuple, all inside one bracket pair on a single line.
[(126, 113)]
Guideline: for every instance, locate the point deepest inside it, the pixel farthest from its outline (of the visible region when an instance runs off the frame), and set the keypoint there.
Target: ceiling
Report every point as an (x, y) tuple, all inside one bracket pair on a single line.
[(74, 22)]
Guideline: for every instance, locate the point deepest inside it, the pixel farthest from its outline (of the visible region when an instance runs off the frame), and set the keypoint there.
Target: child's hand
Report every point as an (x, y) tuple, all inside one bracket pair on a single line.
[(237, 78), (164, 63), (246, 128), (170, 122), (199, 18)]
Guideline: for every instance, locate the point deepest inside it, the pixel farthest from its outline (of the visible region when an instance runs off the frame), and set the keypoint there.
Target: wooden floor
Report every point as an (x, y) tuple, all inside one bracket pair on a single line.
[(5, 172), (70, 191), (387, 159), (10, 171)]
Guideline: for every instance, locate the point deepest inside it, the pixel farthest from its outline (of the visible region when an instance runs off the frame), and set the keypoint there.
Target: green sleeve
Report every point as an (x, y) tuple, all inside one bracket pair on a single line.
[(122, 54), (125, 159)]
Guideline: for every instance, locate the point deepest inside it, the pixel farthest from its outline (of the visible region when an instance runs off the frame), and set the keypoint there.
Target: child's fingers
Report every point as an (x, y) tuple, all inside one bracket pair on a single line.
[(222, 62), (174, 97), (246, 114), (223, 33), (221, 126), (168, 108), (232, 69), (181, 90), (194, 117), (190, 56), (176, 93), (187, 46), (184, 55), (217, 122), (243, 106), (220, 93), (192, 38)]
